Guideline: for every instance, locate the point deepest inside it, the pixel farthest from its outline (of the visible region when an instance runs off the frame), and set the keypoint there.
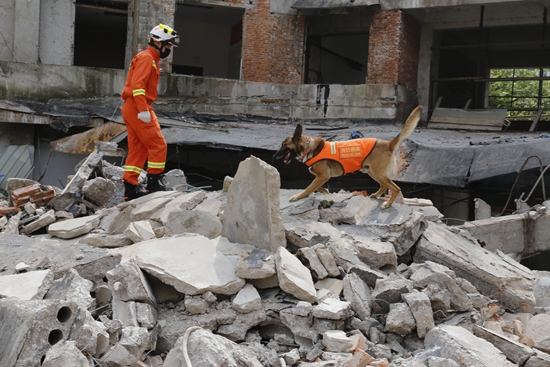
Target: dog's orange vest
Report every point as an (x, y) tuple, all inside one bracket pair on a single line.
[(350, 153)]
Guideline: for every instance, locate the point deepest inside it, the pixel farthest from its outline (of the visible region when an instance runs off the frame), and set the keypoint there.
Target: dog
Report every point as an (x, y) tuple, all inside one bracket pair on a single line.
[(372, 156)]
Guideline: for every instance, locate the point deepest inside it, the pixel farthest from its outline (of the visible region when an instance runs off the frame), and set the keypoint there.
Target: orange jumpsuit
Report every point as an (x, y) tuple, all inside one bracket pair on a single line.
[(350, 153), (145, 140)]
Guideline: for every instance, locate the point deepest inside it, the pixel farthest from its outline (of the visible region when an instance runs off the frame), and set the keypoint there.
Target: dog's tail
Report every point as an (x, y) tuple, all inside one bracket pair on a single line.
[(408, 128)]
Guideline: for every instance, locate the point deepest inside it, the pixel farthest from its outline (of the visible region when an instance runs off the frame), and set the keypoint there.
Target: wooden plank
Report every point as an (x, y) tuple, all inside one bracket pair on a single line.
[(535, 121), (455, 126), (488, 117)]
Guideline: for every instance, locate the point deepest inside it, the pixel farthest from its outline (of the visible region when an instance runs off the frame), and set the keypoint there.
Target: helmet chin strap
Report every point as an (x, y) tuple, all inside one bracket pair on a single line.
[(162, 54)]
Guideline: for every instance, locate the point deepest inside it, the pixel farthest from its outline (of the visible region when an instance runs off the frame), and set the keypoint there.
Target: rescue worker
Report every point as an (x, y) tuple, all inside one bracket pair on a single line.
[(145, 140)]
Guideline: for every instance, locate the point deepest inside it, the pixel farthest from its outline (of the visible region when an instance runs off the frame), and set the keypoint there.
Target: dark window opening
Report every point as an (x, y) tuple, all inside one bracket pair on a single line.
[(470, 68), (211, 40), (100, 33), (337, 48)]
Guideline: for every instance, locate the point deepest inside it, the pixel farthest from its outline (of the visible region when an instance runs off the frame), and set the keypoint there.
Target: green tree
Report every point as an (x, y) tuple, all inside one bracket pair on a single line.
[(517, 91)]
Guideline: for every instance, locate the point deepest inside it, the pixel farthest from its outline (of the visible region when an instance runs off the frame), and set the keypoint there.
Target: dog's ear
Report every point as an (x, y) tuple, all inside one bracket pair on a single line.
[(297, 133)]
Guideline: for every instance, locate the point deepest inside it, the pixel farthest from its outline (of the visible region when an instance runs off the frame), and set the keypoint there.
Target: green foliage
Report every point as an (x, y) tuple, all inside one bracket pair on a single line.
[(518, 92)]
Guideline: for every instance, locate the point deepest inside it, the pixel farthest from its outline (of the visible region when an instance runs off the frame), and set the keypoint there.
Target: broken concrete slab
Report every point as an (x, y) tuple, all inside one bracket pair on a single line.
[(30, 328), (542, 288), (72, 287), (72, 228), (294, 277), (332, 309), (400, 320), (495, 275), (99, 190), (251, 213), (91, 336), (465, 348), (65, 354), (186, 201), (402, 225), (190, 263), (309, 257), (202, 346), (419, 304), (133, 342), (27, 285), (237, 330), (370, 249), (514, 351), (389, 290), (129, 283), (504, 233), (357, 293), (436, 275), (193, 221), (140, 230), (333, 285), (540, 359), (144, 209), (247, 300), (103, 240), (91, 263), (43, 221), (538, 328), (255, 264), (337, 341), (309, 234), (326, 259), (83, 173)]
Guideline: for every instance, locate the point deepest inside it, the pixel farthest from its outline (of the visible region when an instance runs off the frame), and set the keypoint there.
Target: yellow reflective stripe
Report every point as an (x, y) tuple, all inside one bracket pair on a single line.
[(138, 92), (156, 164), (132, 169), (170, 30), (332, 148), (154, 64)]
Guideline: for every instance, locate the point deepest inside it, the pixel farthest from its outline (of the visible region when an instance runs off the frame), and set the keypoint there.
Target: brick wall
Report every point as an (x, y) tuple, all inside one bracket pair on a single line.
[(272, 45), (394, 43)]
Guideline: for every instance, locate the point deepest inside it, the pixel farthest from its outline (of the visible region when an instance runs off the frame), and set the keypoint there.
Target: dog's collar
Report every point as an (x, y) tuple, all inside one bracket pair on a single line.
[(306, 149)]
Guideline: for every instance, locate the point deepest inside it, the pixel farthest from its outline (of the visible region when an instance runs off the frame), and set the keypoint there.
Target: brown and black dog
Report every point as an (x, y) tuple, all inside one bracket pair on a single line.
[(325, 159)]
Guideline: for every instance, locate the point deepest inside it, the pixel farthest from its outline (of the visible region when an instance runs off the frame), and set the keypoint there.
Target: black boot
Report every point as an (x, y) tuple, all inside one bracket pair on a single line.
[(154, 183), (131, 192)]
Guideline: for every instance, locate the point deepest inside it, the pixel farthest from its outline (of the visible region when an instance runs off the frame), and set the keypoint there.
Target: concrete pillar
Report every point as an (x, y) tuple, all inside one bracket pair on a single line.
[(26, 31), (57, 32), (425, 65)]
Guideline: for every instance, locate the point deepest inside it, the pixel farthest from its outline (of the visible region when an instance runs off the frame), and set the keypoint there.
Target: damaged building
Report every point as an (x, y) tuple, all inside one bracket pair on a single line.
[(454, 273)]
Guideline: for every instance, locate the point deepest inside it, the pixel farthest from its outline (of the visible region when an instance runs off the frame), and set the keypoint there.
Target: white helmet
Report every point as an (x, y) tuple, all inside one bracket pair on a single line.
[(164, 33)]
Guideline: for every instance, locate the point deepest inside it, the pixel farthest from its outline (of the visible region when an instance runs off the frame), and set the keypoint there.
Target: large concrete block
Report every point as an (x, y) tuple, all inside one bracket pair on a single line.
[(30, 328), (503, 233), (252, 213), (189, 263), (494, 274), (465, 348), (26, 286)]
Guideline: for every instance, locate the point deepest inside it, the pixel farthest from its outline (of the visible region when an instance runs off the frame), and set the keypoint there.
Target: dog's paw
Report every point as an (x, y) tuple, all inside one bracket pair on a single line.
[(293, 198), (385, 205)]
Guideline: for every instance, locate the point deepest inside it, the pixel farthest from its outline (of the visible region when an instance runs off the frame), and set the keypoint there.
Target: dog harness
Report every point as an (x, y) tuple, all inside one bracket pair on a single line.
[(350, 153)]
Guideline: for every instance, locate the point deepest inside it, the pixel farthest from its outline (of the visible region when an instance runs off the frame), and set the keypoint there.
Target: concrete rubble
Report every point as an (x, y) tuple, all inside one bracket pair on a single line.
[(245, 277)]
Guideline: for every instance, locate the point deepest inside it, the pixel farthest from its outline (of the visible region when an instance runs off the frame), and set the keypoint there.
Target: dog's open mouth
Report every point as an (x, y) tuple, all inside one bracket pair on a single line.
[(287, 158)]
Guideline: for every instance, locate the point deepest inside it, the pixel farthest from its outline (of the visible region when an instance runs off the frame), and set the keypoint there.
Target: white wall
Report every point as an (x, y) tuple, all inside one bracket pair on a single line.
[(19, 43), (57, 32)]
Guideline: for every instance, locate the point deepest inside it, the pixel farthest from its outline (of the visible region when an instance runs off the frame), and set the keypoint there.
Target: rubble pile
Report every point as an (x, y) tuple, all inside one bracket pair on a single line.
[(244, 277)]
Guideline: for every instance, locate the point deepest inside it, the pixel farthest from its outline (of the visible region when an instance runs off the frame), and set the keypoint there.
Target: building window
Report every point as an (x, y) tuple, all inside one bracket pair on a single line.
[(525, 93)]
